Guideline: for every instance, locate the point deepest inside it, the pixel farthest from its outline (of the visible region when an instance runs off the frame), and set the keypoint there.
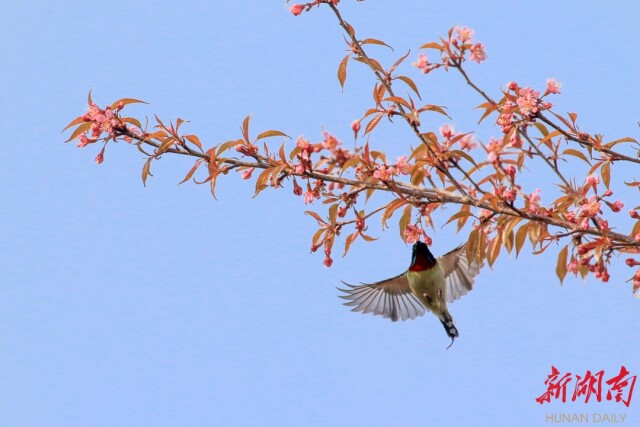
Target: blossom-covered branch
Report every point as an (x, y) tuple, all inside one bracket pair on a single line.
[(483, 180)]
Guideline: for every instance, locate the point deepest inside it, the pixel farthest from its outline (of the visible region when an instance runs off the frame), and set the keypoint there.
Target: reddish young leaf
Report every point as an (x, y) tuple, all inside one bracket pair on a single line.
[(342, 70)]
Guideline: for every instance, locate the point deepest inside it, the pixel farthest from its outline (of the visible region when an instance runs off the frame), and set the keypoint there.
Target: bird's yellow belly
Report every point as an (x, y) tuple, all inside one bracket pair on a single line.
[(428, 286)]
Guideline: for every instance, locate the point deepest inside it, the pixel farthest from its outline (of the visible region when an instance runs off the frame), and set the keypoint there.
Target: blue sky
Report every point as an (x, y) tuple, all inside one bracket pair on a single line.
[(129, 306)]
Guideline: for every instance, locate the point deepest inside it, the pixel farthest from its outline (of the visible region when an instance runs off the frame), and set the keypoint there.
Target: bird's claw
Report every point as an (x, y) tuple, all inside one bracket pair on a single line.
[(452, 339)]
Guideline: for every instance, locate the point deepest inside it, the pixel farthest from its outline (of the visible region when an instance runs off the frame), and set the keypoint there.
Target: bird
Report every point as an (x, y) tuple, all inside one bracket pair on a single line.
[(428, 285)]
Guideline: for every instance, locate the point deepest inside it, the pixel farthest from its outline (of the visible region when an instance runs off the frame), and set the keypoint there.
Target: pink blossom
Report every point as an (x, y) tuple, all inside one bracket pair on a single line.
[(464, 34), (330, 142), (510, 195), (303, 143), (422, 63), (514, 140), (494, 149), (246, 174), (592, 180), (413, 233), (296, 9), (512, 86), (84, 141), (534, 201), (573, 267), (591, 208), (384, 173), (403, 166), (467, 143), (553, 86), (616, 206), (309, 195), (477, 53), (571, 217), (446, 131), (504, 120), (528, 101)]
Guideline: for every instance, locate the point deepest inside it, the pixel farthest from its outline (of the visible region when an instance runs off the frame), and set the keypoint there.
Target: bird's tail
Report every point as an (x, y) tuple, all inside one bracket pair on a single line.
[(449, 327)]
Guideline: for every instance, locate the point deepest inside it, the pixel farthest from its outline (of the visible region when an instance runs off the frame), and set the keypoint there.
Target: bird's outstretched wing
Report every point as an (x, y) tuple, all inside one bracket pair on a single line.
[(458, 273), (391, 298)]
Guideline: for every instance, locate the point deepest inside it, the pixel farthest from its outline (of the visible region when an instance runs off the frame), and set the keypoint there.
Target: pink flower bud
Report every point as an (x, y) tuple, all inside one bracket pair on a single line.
[(634, 214), (511, 171), (328, 261), (617, 206), (296, 9), (100, 157), (246, 174), (631, 262), (356, 126)]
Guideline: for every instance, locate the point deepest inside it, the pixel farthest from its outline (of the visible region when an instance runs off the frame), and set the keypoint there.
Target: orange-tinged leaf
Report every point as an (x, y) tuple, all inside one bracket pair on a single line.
[(434, 108), (368, 238), (194, 140), (350, 29), (245, 129), (375, 41), (342, 70), (431, 45), (191, 171), (133, 121), (576, 153), (229, 144), (375, 65), (390, 209), (373, 123), (404, 220), (398, 62), (606, 173), (618, 141), (79, 130), (541, 128), (89, 100), (494, 250), (271, 133), (74, 122), (333, 213), (349, 241), (521, 235), (316, 216), (411, 84), (561, 266), (261, 181), (146, 171), (398, 100), (126, 101)]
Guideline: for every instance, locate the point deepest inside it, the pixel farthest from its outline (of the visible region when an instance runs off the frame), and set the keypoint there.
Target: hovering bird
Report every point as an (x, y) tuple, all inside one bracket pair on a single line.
[(428, 285)]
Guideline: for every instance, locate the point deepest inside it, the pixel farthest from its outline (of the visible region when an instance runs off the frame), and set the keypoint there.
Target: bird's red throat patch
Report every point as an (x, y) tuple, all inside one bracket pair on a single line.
[(421, 263)]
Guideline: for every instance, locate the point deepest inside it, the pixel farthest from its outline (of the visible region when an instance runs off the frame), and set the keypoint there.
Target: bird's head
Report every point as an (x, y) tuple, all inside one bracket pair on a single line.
[(421, 257)]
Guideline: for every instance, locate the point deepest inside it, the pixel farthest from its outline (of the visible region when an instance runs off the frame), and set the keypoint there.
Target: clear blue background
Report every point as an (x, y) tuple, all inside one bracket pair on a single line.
[(128, 306)]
